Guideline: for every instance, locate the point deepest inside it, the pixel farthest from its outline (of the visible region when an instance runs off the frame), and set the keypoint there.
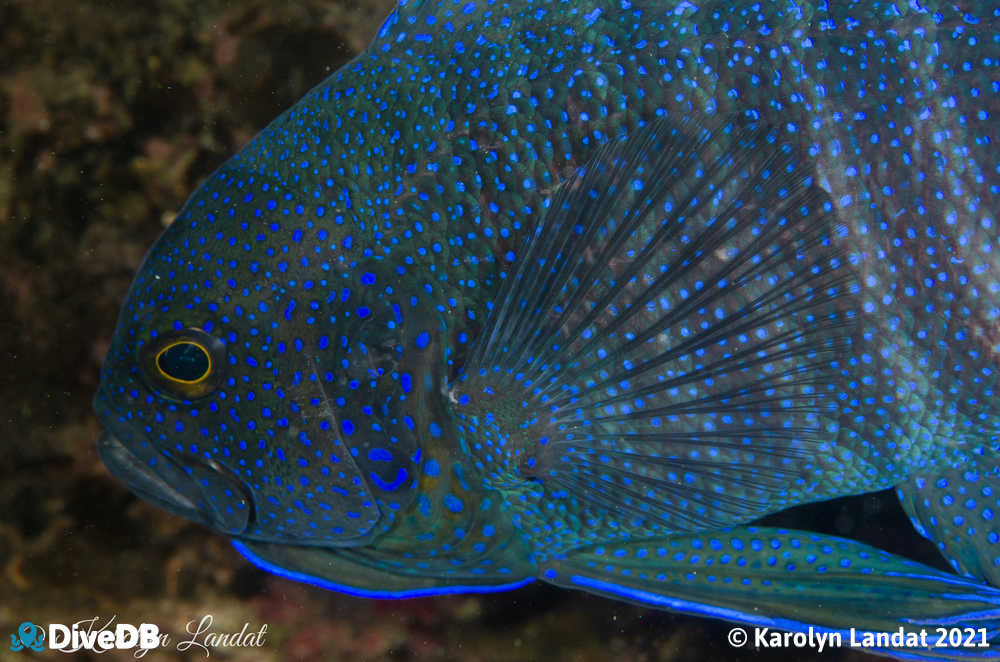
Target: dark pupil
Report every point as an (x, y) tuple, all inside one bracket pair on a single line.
[(185, 362)]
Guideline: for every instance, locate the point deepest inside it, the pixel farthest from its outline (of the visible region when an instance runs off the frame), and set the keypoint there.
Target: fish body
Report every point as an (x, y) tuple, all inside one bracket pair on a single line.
[(579, 291)]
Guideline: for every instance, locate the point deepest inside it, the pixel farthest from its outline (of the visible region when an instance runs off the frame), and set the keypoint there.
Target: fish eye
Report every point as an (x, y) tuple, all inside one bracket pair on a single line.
[(184, 361), (183, 364)]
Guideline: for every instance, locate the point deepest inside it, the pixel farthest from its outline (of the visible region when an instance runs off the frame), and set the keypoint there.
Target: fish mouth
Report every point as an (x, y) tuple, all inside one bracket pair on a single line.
[(189, 486)]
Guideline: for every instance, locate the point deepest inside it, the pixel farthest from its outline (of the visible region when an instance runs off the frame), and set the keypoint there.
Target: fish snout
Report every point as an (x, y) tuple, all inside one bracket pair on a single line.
[(184, 484)]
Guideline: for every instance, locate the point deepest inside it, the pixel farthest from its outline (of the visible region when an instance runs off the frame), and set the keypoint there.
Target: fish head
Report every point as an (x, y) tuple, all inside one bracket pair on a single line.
[(266, 381)]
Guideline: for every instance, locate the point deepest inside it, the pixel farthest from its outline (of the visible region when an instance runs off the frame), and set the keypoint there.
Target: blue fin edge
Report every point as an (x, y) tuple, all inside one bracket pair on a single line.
[(733, 615), (358, 592)]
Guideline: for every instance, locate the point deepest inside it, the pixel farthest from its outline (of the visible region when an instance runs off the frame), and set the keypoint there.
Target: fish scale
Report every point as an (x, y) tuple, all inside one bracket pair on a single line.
[(527, 279)]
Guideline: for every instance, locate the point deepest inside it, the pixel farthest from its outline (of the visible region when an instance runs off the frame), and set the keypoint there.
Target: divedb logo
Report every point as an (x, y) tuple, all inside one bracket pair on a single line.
[(89, 634)]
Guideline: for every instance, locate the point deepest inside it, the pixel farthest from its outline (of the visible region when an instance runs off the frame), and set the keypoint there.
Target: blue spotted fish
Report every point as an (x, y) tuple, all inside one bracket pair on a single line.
[(579, 291)]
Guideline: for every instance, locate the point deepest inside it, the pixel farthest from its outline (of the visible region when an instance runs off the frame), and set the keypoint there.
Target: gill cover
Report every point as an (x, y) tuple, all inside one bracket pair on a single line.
[(339, 459)]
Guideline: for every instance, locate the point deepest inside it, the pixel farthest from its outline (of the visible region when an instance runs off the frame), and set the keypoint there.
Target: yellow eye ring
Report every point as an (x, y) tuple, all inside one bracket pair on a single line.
[(184, 362), (183, 365)]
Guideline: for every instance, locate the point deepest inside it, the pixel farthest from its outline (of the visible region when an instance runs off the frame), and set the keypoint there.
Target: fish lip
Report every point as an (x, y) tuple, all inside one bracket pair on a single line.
[(148, 484)]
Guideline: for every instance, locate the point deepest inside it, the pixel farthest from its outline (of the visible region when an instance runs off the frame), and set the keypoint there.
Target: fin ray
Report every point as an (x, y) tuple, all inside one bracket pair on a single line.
[(792, 580), (684, 288)]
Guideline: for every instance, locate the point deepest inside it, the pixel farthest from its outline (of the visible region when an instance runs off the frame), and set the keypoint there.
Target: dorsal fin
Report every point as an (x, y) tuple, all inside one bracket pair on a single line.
[(427, 16)]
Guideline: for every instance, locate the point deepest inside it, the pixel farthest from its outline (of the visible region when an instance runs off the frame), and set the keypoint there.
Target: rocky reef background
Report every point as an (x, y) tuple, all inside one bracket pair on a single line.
[(112, 112)]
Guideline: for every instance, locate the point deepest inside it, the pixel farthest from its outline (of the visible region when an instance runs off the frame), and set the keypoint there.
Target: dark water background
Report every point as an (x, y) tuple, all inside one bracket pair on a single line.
[(112, 112)]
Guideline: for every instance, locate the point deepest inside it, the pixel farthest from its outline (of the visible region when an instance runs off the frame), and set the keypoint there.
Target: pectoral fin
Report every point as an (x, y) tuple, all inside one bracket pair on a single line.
[(667, 347)]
